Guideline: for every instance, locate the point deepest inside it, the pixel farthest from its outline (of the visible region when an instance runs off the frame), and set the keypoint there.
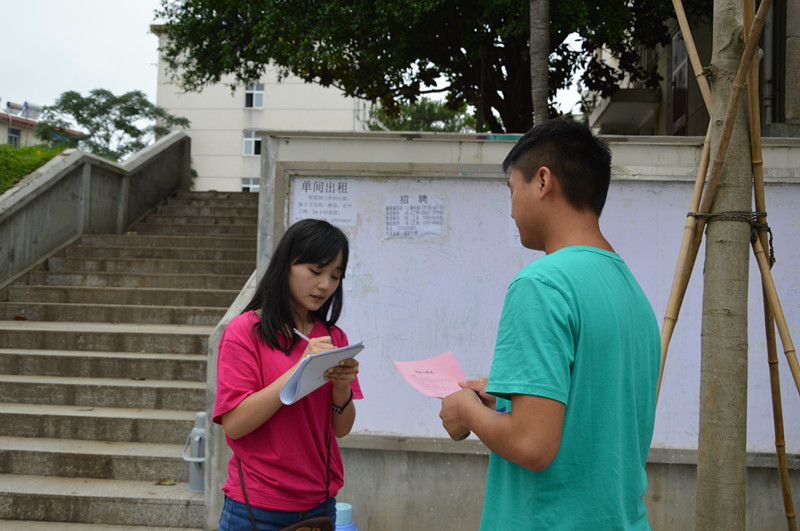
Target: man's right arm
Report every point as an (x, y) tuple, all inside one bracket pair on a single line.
[(530, 435)]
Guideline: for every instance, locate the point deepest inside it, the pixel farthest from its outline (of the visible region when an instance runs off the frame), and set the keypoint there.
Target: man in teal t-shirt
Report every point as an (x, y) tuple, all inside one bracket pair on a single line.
[(569, 407)]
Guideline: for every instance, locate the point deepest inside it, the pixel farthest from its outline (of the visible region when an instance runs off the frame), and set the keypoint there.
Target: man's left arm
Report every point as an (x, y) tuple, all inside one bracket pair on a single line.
[(530, 435)]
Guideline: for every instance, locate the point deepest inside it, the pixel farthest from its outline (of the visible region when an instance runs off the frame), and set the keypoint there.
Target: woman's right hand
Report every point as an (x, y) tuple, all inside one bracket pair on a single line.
[(317, 345)]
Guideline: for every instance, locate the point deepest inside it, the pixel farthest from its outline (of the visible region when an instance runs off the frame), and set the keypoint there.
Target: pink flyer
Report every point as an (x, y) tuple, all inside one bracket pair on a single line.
[(437, 376)]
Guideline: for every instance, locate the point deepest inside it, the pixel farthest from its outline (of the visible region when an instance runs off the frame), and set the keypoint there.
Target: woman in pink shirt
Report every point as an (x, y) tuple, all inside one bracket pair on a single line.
[(286, 464)]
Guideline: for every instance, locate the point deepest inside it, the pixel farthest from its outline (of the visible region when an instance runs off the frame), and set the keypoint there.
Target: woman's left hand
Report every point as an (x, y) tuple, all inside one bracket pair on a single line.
[(344, 410), (344, 374)]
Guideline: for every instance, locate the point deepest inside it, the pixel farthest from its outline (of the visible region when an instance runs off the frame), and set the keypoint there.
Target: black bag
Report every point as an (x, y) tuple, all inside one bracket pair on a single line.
[(315, 523)]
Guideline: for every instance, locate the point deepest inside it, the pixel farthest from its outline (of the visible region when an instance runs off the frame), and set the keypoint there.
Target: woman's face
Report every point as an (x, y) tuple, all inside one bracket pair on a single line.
[(310, 285)]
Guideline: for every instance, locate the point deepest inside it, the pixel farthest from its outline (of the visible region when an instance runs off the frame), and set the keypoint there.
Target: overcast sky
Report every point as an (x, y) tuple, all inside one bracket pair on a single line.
[(52, 46)]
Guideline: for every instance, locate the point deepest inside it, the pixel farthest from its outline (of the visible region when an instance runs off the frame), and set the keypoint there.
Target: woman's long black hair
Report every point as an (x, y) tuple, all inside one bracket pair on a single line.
[(309, 241)]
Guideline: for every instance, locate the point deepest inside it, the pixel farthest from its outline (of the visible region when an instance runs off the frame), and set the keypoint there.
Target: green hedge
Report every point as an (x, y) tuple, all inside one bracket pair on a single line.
[(16, 163)]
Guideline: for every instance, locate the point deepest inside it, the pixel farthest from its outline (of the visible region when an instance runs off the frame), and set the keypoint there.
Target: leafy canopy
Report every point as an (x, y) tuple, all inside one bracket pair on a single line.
[(108, 125), (394, 51), (423, 115)]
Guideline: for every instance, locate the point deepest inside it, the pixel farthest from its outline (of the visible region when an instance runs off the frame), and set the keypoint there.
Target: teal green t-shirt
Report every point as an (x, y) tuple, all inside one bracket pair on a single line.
[(577, 328)]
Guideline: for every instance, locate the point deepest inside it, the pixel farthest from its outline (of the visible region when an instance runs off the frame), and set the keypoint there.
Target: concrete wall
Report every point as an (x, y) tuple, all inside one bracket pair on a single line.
[(78, 193), (403, 483), (416, 478)]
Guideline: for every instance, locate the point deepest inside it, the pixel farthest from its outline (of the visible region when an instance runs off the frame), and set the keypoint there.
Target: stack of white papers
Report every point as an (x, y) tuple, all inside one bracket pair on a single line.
[(310, 374)]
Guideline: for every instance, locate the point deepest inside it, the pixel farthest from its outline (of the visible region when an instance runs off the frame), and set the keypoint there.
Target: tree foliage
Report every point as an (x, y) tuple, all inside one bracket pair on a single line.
[(423, 115), (394, 51), (108, 125)]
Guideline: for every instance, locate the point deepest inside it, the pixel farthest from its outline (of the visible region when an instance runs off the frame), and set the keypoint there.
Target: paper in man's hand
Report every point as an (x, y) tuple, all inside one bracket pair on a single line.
[(437, 376)]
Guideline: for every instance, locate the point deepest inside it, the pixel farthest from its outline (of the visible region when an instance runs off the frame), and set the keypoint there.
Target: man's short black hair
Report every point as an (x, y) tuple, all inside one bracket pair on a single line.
[(579, 160)]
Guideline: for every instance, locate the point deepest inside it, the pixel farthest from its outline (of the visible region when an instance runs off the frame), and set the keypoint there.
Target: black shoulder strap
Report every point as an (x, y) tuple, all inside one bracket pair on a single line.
[(327, 481), (241, 482)]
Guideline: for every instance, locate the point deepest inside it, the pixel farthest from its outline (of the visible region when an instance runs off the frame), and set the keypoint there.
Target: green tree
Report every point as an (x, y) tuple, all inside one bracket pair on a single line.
[(539, 57), (108, 125), (424, 115), (722, 441), (394, 51)]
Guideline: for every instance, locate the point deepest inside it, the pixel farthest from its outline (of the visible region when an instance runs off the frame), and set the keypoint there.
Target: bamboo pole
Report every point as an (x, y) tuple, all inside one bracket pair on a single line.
[(694, 58), (694, 227), (769, 314), (733, 109), (687, 254), (777, 414), (719, 158), (713, 178), (780, 319), (683, 269)]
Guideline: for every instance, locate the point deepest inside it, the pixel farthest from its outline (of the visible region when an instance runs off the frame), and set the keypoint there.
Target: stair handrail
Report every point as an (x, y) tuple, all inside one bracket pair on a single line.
[(79, 193)]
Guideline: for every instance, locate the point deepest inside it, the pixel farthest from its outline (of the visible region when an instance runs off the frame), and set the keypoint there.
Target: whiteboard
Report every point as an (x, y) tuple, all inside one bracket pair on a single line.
[(436, 285), (415, 295)]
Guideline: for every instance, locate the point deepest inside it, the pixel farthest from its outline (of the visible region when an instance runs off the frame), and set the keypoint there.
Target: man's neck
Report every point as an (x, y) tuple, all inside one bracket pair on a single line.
[(578, 228)]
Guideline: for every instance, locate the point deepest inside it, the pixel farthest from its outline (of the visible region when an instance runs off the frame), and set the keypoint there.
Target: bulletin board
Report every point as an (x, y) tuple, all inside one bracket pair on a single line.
[(430, 262), (433, 249)]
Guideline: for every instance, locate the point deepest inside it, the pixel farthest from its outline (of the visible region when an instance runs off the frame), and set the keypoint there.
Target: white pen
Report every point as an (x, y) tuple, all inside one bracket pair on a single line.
[(301, 334)]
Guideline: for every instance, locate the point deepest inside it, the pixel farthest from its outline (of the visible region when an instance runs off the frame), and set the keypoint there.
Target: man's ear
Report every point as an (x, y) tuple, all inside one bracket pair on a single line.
[(544, 181)]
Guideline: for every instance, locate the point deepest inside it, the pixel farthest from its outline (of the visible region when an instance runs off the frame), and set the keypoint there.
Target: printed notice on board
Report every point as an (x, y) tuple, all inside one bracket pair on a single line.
[(331, 199), (413, 216)]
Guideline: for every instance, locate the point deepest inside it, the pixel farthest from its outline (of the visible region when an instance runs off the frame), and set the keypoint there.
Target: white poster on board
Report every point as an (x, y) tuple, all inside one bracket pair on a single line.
[(333, 199), (414, 216)]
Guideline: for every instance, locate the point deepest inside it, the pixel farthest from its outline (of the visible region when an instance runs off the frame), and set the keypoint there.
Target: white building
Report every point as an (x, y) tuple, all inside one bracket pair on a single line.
[(17, 124), (225, 150)]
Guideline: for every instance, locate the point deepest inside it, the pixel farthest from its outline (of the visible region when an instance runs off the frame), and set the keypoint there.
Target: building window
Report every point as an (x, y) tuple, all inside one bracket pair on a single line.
[(14, 136), (254, 96), (250, 184), (251, 144), (680, 85)]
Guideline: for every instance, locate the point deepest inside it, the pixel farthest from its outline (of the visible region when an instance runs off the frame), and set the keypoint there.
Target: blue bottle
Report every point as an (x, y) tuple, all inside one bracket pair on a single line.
[(344, 517)]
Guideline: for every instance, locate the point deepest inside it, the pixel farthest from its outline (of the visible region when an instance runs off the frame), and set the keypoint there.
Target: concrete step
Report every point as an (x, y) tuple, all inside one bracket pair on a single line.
[(198, 219), (98, 391), (214, 195), (161, 253), (207, 210), (134, 265), (82, 364), (105, 392), (99, 501), (178, 241), (132, 296), (155, 338), (233, 199), (93, 459), (96, 423), (138, 280), (157, 228), (184, 315)]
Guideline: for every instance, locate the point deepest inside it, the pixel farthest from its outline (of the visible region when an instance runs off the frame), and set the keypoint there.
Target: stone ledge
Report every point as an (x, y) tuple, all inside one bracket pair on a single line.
[(473, 446)]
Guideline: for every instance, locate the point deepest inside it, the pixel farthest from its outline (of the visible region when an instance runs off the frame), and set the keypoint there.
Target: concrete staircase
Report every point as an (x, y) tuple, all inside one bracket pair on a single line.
[(103, 367)]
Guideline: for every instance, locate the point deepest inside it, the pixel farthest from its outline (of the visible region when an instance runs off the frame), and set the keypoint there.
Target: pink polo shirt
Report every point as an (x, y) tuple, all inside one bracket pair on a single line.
[(284, 460)]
